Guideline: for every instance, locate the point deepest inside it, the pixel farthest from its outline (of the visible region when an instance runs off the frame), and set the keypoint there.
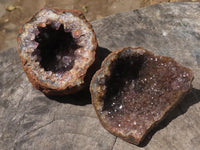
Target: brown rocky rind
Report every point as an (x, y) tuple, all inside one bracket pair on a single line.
[(58, 66), (135, 89)]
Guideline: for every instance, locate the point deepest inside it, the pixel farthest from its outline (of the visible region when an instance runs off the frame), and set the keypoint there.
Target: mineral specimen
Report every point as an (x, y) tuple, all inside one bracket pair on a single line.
[(57, 47), (134, 90)]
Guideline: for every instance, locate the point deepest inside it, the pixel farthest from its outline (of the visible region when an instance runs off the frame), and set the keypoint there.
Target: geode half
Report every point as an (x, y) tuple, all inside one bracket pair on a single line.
[(134, 90), (57, 47)]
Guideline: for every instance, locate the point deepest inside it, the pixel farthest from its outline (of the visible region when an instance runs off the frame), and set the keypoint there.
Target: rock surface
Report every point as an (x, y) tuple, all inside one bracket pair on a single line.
[(30, 120)]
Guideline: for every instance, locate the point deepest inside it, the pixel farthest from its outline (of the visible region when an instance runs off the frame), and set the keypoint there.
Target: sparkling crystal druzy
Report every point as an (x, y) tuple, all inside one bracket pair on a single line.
[(134, 89), (57, 47)]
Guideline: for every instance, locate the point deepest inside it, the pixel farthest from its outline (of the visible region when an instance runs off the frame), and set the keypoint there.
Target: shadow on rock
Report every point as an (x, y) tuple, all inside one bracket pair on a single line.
[(101, 54), (81, 98), (190, 99)]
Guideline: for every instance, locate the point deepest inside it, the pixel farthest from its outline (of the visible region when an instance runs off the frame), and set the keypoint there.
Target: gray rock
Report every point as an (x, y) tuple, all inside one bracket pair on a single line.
[(30, 120)]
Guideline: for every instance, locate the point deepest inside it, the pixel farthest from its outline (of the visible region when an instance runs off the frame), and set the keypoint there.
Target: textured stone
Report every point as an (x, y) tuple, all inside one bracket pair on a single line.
[(29, 120), (57, 47), (134, 90)]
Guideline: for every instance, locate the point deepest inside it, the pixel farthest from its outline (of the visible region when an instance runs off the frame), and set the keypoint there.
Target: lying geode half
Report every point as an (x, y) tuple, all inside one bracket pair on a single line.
[(57, 47), (134, 89)]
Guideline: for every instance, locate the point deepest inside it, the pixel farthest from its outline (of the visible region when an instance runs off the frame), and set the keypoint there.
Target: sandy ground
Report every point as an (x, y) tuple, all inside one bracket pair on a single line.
[(13, 13)]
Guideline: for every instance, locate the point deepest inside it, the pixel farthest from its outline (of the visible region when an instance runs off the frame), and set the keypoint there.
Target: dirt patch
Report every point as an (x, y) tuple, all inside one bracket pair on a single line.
[(13, 13)]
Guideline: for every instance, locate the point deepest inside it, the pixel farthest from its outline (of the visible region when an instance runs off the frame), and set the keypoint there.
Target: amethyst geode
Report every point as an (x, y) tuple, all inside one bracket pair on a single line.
[(134, 89), (57, 47)]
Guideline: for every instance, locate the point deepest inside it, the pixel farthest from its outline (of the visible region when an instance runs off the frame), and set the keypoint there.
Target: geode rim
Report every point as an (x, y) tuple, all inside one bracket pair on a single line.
[(47, 81), (138, 130)]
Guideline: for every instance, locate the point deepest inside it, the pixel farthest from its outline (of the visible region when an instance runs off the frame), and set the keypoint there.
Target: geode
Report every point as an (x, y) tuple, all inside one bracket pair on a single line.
[(57, 47), (134, 90)]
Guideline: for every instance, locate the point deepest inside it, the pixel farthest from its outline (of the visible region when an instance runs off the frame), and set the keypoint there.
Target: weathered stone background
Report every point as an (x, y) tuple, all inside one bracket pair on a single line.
[(30, 120)]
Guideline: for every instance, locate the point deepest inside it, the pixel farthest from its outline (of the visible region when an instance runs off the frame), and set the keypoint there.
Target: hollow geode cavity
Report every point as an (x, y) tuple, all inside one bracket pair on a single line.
[(134, 89), (57, 47)]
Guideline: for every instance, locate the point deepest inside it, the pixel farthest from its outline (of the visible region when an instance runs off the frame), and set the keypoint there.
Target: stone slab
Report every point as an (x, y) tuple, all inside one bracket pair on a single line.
[(30, 120)]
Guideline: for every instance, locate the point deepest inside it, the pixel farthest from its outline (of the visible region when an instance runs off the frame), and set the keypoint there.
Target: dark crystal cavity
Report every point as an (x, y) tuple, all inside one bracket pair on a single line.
[(140, 88), (55, 51)]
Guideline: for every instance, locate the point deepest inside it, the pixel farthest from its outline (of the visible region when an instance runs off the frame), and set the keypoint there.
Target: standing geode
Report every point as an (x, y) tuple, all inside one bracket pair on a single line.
[(134, 90), (57, 47)]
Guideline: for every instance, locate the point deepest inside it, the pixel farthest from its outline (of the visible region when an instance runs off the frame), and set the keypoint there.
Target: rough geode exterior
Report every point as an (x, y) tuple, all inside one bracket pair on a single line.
[(131, 118), (48, 82)]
